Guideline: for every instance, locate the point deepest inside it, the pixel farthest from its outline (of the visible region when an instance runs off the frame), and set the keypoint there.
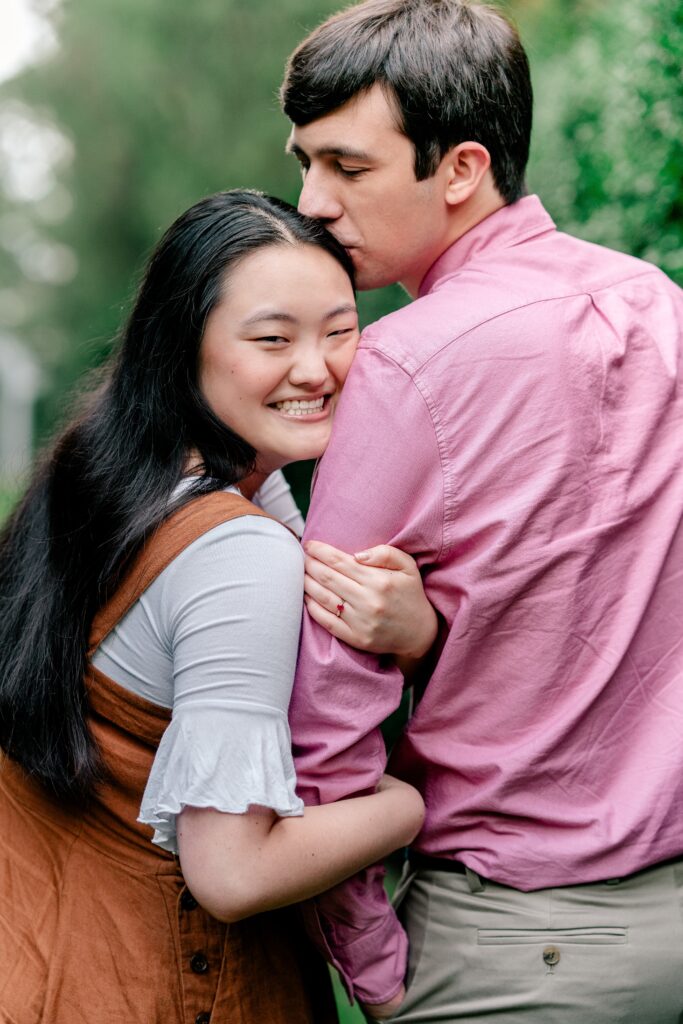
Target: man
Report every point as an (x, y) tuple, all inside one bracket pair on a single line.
[(518, 428)]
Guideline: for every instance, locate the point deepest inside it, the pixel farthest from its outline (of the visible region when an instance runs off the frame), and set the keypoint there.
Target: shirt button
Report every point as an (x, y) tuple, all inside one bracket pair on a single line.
[(187, 900), (199, 963), (202, 1018), (551, 956)]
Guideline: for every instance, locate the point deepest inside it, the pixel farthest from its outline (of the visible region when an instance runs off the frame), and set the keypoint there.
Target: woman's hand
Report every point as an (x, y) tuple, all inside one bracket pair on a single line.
[(384, 1011), (237, 865), (373, 600)]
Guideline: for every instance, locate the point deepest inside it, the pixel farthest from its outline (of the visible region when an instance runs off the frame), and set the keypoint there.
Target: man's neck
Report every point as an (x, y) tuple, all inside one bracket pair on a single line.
[(478, 209), (484, 202)]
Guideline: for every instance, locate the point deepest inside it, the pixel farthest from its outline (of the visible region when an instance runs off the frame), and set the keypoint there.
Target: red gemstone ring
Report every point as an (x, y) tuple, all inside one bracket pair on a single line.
[(340, 609)]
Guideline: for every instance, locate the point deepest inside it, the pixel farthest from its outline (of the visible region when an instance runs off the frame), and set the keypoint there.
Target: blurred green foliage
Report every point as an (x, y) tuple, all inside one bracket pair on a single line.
[(7, 499), (608, 152), (164, 102)]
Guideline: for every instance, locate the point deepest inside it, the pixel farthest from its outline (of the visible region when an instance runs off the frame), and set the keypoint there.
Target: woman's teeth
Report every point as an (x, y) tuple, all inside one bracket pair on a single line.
[(297, 407)]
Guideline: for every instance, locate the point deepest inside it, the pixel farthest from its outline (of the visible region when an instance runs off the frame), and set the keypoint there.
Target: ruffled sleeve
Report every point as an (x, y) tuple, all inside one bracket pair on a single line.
[(228, 609), (223, 756)]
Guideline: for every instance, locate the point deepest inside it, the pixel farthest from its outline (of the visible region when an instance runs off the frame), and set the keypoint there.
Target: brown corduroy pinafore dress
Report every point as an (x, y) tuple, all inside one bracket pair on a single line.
[(96, 924)]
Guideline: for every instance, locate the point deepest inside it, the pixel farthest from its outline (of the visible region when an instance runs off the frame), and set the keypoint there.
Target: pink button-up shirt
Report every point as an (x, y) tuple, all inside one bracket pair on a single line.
[(519, 429)]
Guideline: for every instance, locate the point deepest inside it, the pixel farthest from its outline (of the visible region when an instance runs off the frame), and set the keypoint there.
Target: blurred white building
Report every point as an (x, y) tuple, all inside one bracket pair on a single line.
[(20, 382)]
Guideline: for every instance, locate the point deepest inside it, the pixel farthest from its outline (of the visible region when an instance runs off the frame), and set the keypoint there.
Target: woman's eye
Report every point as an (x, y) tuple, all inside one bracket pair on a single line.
[(273, 339), (341, 331)]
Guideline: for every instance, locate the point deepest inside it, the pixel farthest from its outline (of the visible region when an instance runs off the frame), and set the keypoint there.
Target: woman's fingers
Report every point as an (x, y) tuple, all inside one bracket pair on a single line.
[(381, 556), (378, 594), (334, 559), (356, 624), (384, 556), (328, 599), (330, 621), (331, 578)]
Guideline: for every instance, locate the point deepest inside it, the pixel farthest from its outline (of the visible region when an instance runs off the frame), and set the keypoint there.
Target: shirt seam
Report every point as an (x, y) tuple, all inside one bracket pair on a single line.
[(491, 319), (430, 405)]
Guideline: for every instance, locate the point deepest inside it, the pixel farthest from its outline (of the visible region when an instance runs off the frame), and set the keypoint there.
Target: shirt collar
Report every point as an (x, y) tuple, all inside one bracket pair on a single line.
[(506, 227)]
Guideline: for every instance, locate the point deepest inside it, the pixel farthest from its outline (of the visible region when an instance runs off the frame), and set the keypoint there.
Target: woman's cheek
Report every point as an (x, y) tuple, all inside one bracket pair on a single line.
[(345, 362)]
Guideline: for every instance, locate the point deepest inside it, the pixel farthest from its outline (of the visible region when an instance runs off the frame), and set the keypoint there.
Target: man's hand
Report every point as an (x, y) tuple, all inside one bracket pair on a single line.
[(383, 1011)]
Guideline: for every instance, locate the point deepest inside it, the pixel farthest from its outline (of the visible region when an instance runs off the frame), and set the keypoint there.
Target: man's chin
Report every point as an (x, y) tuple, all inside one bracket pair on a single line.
[(367, 280)]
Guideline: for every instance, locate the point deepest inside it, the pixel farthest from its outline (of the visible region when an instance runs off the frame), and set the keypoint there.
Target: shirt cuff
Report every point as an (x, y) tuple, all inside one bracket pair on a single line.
[(371, 959)]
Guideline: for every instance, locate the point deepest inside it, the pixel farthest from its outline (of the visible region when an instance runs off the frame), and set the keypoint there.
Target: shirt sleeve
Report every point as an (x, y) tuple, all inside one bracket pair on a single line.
[(230, 612), (380, 481)]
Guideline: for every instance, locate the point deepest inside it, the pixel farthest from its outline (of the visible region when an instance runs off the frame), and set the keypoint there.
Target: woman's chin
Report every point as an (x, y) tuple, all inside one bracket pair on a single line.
[(303, 448), (304, 454), (276, 460)]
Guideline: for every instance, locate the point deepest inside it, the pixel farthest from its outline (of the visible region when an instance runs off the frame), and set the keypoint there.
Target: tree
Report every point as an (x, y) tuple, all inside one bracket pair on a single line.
[(157, 104), (608, 155)]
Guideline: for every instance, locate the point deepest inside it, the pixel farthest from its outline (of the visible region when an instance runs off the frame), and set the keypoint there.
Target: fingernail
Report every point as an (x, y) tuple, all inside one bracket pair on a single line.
[(362, 556)]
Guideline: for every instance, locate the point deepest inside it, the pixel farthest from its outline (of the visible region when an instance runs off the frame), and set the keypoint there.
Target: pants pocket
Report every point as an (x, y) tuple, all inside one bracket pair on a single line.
[(603, 935), (403, 885)]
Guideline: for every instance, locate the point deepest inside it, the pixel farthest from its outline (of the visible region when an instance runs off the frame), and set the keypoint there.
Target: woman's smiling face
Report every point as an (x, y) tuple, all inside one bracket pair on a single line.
[(276, 351)]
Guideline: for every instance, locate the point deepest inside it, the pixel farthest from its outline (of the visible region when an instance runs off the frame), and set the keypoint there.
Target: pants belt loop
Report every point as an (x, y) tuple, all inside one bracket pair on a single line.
[(474, 881)]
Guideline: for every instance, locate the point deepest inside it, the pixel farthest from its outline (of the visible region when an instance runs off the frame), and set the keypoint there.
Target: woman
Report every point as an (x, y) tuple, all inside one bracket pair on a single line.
[(150, 618)]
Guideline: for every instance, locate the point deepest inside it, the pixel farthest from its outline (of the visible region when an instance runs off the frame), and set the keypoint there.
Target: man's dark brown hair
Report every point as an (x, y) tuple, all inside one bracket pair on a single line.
[(454, 71)]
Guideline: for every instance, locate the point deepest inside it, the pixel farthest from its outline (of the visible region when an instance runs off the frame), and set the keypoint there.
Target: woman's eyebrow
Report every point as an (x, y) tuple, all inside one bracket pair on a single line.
[(274, 314), (348, 307), (269, 314)]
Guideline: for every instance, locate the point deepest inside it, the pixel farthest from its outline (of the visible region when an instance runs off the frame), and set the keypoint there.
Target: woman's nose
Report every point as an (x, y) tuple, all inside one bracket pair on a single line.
[(309, 369)]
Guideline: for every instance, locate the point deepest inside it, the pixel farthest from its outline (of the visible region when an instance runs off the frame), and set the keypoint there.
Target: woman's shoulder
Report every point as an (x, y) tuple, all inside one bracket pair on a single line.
[(250, 546), (225, 516), (248, 532)]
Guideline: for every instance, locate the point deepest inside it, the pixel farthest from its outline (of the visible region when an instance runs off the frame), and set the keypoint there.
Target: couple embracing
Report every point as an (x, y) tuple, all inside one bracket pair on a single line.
[(506, 463)]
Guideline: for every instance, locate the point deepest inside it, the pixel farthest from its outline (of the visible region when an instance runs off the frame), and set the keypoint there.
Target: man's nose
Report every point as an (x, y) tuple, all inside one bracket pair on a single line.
[(317, 198)]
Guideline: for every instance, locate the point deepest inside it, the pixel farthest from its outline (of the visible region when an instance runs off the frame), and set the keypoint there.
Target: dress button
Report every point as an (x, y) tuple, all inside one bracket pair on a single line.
[(199, 963), (551, 956), (187, 900), (202, 1018)]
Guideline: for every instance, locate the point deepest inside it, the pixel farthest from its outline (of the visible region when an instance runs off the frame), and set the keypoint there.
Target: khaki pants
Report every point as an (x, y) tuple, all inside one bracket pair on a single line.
[(585, 954)]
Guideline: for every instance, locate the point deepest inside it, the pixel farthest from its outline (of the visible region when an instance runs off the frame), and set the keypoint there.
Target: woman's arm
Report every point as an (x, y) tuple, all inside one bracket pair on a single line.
[(237, 865), (221, 789)]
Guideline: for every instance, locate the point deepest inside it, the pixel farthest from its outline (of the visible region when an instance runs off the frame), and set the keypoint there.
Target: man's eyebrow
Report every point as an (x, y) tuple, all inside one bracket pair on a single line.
[(269, 314), (345, 152)]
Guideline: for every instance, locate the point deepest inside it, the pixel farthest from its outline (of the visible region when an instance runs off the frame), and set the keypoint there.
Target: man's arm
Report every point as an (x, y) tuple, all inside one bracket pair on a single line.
[(379, 482)]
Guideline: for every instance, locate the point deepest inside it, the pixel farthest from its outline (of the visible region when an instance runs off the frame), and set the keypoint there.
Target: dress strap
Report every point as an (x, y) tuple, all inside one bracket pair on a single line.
[(174, 534)]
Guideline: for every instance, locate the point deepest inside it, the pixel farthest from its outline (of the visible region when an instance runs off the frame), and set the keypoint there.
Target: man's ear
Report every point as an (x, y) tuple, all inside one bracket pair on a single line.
[(465, 166)]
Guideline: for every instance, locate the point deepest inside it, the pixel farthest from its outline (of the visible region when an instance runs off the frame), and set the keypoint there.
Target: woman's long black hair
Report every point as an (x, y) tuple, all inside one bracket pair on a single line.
[(107, 481)]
